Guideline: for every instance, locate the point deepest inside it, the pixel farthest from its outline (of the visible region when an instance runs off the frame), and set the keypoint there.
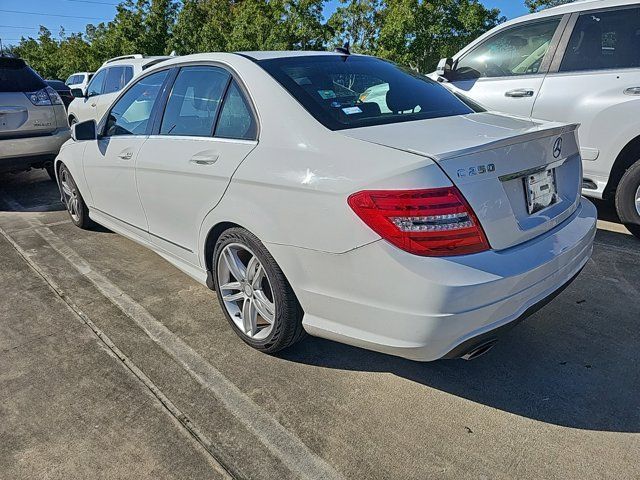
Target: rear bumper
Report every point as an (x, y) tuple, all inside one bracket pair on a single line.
[(23, 153), (384, 299)]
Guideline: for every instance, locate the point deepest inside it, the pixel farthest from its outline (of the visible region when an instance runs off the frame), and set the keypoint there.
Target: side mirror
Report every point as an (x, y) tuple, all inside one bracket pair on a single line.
[(77, 93), (84, 131), (445, 67)]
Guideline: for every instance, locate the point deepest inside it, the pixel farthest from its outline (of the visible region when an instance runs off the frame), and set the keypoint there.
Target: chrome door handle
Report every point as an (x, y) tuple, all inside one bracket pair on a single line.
[(519, 93), (632, 91), (126, 155)]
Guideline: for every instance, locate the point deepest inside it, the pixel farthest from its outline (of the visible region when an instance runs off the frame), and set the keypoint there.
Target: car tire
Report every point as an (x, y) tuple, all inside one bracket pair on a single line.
[(72, 120), (628, 199), (73, 201), (51, 171), (272, 288)]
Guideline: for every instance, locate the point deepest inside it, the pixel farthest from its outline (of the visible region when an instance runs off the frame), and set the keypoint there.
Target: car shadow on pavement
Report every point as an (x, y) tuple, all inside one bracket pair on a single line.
[(31, 191), (575, 363), (554, 377)]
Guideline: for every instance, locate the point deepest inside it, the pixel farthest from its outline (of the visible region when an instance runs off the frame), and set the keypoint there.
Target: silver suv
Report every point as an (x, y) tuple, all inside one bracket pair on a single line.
[(33, 122)]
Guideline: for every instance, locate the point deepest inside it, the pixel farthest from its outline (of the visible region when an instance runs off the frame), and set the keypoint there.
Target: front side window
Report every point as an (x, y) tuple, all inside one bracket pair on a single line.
[(194, 101), (131, 113), (236, 120), (604, 40), (114, 81), (515, 51), (95, 87), (356, 91)]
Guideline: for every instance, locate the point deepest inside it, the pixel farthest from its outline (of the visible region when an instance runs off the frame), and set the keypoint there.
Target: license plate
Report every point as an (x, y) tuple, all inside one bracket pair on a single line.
[(541, 190)]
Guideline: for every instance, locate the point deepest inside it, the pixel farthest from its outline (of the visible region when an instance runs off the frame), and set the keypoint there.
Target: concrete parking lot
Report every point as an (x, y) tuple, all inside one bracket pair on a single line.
[(114, 364)]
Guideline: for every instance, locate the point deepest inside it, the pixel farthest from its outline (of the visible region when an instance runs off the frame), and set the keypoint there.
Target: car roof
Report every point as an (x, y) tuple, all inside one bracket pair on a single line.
[(267, 55), (133, 60), (578, 6)]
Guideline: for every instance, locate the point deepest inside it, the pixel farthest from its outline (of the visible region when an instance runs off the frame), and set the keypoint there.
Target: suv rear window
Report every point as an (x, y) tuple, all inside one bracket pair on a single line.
[(17, 76), (357, 91)]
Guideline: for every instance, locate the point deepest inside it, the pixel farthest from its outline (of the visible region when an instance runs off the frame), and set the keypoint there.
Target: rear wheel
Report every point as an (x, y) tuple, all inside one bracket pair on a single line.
[(254, 293), (77, 209), (628, 199)]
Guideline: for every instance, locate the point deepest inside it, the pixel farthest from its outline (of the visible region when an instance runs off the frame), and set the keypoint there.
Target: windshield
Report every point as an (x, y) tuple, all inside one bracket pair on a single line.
[(358, 91)]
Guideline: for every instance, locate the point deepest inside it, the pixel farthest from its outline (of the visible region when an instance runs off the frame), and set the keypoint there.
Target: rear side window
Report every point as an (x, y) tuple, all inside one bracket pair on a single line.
[(128, 75), (515, 51), (604, 40), (95, 87), (236, 120), (357, 91), (114, 81), (194, 101), (131, 113), (17, 76)]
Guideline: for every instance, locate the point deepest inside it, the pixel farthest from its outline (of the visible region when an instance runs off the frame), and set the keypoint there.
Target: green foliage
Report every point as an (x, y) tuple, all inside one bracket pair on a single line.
[(416, 33), (537, 5)]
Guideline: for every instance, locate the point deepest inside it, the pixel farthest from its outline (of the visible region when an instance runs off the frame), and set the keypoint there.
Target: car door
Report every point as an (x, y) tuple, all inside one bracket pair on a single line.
[(595, 81), (207, 129), (506, 71), (109, 161), (86, 107)]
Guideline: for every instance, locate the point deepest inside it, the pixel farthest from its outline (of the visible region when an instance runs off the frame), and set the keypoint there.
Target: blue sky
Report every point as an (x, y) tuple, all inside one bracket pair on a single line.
[(53, 14)]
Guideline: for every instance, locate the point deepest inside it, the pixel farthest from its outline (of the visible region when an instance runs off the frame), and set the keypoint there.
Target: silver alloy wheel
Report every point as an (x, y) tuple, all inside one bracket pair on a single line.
[(638, 200), (246, 291), (70, 193)]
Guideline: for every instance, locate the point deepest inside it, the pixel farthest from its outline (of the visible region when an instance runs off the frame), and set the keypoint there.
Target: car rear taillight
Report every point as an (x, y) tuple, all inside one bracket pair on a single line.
[(44, 97), (433, 223)]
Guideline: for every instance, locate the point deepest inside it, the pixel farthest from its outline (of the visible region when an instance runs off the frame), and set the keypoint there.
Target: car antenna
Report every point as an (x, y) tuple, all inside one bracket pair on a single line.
[(344, 49)]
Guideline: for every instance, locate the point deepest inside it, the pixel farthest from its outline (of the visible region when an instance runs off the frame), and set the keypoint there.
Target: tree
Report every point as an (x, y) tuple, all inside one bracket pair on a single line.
[(418, 33), (203, 26), (357, 22), (537, 5)]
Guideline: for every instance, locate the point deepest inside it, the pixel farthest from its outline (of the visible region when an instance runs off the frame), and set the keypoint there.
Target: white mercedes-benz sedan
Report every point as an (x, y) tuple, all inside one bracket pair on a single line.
[(413, 222)]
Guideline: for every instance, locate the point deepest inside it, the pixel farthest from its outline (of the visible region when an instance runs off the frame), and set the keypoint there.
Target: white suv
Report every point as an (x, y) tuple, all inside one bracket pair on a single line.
[(79, 80), (111, 77), (576, 63)]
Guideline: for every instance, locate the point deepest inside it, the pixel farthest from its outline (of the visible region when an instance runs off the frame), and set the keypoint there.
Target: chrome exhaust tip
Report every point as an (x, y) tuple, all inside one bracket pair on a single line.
[(479, 350)]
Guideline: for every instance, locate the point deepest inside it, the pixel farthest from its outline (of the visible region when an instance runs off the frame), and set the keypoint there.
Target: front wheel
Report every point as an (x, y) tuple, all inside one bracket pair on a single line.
[(628, 199), (256, 297), (78, 210)]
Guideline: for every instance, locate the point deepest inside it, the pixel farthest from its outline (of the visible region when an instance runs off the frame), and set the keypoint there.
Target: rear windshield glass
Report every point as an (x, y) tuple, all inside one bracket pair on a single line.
[(16, 76), (357, 91)]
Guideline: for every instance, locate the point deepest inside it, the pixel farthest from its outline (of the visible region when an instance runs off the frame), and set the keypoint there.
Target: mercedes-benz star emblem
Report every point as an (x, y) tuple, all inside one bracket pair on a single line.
[(557, 148)]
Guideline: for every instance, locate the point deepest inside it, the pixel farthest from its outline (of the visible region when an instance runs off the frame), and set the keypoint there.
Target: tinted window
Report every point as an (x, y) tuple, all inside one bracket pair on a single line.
[(128, 75), (130, 115), (114, 81), (70, 80), (604, 40), (236, 119), (348, 92), (95, 87), (515, 51), (193, 105), (16, 76)]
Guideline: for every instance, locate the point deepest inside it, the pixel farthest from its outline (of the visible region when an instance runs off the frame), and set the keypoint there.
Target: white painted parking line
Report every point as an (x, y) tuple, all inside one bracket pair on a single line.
[(183, 419), (282, 443)]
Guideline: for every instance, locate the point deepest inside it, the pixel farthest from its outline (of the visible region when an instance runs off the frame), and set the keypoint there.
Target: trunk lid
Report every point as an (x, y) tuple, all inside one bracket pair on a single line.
[(494, 160)]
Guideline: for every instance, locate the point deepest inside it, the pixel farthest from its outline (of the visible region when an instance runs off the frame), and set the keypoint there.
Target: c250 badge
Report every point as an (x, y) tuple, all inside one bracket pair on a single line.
[(477, 170)]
